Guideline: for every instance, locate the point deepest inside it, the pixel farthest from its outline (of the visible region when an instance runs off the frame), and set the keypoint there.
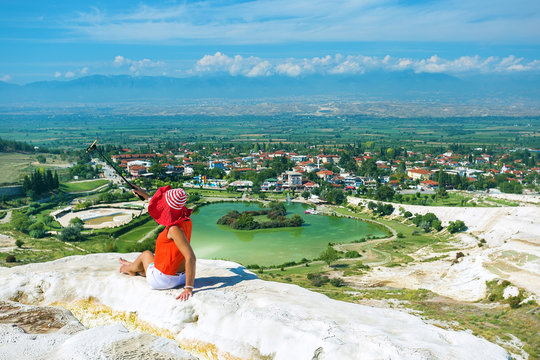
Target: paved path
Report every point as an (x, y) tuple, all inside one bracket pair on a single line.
[(88, 191), (6, 218), (150, 233)]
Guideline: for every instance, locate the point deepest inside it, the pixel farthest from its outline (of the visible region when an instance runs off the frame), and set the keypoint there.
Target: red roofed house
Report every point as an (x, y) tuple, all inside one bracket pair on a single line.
[(324, 174), (419, 174), (137, 170), (429, 184)]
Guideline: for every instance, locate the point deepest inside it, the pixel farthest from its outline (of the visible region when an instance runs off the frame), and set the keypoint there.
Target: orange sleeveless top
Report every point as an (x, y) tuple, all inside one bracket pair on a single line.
[(168, 258)]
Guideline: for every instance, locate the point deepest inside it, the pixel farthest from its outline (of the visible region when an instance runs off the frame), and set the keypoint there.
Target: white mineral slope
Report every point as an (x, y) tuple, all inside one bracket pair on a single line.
[(233, 314), (512, 252), (42, 332)]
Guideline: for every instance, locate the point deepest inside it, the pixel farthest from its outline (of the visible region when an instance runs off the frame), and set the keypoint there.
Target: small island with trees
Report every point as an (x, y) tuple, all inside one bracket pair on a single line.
[(251, 220)]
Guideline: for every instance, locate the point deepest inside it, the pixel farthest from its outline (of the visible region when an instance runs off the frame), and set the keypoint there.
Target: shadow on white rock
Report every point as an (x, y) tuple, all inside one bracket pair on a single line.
[(233, 314)]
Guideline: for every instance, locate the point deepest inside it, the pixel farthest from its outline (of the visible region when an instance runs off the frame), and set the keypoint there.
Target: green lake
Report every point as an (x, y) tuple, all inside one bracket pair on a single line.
[(271, 246)]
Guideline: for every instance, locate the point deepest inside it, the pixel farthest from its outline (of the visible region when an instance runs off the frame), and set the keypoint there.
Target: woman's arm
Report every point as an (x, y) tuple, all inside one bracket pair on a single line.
[(177, 235)]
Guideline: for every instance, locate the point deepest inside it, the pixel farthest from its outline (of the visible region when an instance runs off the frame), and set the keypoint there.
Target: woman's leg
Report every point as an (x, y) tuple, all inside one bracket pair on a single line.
[(139, 266)]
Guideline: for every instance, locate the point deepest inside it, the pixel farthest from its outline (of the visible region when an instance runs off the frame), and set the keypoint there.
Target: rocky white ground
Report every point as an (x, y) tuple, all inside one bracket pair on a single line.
[(512, 252), (46, 332), (7, 243), (233, 314)]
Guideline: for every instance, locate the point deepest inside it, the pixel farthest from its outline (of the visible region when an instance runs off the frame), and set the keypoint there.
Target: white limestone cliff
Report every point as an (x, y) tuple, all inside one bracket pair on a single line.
[(235, 315)]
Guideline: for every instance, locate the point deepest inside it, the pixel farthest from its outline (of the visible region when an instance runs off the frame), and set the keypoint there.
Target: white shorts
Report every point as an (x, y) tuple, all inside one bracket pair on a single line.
[(160, 281)]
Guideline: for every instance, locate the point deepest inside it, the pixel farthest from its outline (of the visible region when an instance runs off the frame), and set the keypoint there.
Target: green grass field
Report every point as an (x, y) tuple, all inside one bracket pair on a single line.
[(14, 166), (123, 242), (66, 132), (82, 185)]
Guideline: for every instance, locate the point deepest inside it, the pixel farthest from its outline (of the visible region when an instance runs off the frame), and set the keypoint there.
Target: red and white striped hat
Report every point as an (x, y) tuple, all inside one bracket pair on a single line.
[(176, 198), (168, 206)]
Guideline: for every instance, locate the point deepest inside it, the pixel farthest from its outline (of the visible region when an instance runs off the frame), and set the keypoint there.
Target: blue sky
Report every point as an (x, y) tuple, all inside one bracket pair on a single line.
[(64, 40)]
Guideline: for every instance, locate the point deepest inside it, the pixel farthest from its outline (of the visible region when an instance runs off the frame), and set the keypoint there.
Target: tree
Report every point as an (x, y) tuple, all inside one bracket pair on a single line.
[(305, 195), (296, 220), (156, 169), (193, 197), (511, 187), (244, 222), (19, 243), (368, 168), (441, 192), (71, 233), (37, 230), (335, 196), (456, 226), (278, 208), (76, 221), (384, 193), (329, 255)]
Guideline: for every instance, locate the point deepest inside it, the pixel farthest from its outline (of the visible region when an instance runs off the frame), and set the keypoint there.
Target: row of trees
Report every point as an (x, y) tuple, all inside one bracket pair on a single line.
[(39, 182), (12, 146)]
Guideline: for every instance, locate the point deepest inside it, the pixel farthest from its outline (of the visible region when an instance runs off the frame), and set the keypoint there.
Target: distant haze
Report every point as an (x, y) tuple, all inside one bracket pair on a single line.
[(377, 86)]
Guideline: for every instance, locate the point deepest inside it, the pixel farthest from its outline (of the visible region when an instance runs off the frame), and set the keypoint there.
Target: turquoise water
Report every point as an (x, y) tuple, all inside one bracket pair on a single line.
[(271, 246)]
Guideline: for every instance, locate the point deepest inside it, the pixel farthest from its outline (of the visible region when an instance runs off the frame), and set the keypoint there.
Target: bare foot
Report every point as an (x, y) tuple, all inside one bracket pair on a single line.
[(124, 268)]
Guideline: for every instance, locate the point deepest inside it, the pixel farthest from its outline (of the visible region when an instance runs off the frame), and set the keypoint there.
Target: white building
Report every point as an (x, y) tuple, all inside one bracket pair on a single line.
[(291, 178), (143, 163)]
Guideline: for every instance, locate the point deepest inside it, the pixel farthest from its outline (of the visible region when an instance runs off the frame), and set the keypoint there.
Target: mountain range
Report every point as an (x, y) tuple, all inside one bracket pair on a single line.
[(402, 86)]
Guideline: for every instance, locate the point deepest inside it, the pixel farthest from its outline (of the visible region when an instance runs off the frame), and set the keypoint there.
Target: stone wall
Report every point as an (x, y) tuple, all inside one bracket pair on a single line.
[(11, 190)]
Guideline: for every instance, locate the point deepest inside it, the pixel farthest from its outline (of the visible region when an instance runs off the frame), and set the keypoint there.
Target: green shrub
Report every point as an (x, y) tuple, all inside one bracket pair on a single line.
[(11, 258), (352, 254), (37, 233), (337, 282), (76, 221), (318, 280), (456, 226), (19, 243), (20, 221), (71, 233)]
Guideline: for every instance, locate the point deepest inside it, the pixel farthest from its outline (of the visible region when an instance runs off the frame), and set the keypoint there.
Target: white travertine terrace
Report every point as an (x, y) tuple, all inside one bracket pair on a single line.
[(233, 314), (511, 252)]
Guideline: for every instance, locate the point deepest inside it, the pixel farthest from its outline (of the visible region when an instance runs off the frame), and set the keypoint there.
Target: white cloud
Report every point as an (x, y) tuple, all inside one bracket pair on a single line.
[(118, 60), (289, 69), (69, 74), (357, 64), (6, 78), (136, 66), (274, 21), (261, 69), (84, 70), (57, 74)]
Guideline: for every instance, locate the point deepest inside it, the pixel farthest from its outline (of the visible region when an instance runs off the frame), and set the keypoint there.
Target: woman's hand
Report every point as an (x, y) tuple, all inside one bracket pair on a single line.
[(186, 294), (140, 193)]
